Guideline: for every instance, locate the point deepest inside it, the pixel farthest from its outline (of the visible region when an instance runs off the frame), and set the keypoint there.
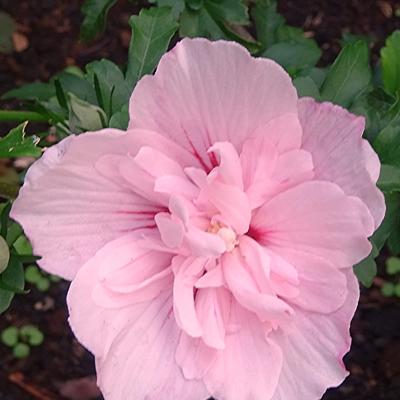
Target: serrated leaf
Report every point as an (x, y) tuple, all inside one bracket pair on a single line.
[(152, 31), (95, 12), (84, 116), (16, 144), (366, 271), (390, 62), (348, 76)]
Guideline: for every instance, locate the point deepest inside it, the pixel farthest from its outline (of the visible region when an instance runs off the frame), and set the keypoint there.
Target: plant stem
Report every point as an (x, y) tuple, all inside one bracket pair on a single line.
[(21, 116)]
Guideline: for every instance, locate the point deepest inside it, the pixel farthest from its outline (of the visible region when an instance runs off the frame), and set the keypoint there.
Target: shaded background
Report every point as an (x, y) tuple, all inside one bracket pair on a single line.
[(46, 42)]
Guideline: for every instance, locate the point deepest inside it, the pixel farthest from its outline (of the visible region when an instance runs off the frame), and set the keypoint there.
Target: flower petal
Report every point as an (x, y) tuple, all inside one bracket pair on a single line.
[(206, 92), (141, 360), (314, 349), (334, 138), (318, 218), (119, 275), (249, 366), (69, 210)]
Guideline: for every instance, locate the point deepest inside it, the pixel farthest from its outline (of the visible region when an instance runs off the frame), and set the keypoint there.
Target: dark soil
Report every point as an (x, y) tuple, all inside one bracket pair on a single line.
[(51, 28)]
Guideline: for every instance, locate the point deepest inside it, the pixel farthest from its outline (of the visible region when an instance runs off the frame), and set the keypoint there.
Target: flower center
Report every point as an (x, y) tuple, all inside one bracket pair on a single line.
[(228, 235)]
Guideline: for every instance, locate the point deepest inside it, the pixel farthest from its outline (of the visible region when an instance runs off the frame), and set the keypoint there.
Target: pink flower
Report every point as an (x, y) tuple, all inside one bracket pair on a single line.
[(211, 246)]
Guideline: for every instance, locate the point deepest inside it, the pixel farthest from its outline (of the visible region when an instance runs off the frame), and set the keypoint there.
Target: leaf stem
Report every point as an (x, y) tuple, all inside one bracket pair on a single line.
[(21, 116)]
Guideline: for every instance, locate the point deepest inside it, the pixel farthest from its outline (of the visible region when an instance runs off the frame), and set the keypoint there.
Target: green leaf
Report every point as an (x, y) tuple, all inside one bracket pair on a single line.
[(32, 91), (95, 12), (379, 108), (177, 6), (152, 31), (32, 335), (233, 11), (4, 254), (294, 54), (366, 271), (84, 116), (200, 23), (267, 20), (120, 119), (349, 74), (21, 350), (13, 278), (306, 87), (387, 144), (388, 289), (78, 86), (391, 220), (217, 19), (16, 144), (394, 240), (113, 89), (390, 61), (393, 265), (9, 183), (23, 246), (7, 28), (32, 274), (10, 336), (389, 179), (43, 284)]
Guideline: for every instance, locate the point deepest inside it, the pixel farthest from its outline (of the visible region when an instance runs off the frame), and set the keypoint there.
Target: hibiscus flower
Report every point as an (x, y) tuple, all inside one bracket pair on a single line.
[(210, 246)]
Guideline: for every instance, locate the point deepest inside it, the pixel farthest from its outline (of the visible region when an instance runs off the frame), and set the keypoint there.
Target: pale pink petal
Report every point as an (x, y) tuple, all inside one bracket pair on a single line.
[(213, 278), (314, 349), (206, 92), (156, 163), (249, 366), (229, 169), (284, 132), (204, 244), (293, 167), (318, 218), (194, 357), (228, 200), (334, 138), (322, 287), (213, 308), (141, 360), (171, 229), (266, 306), (187, 271), (175, 185), (69, 210), (121, 273)]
